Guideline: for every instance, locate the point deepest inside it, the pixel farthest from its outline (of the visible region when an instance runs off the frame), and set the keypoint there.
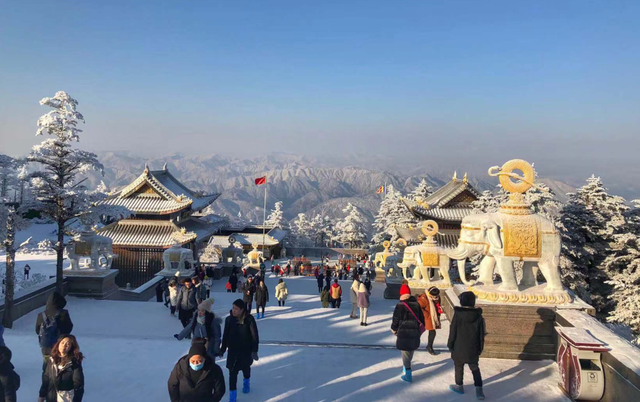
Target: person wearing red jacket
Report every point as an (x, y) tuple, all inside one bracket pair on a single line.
[(336, 294)]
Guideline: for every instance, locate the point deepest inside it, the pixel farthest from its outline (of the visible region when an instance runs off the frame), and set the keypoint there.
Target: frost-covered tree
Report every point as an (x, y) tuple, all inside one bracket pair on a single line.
[(588, 224), (351, 231), (326, 231), (392, 213), (302, 231), (490, 201), (61, 196), (622, 265), (276, 217), (422, 191), (10, 222), (8, 178)]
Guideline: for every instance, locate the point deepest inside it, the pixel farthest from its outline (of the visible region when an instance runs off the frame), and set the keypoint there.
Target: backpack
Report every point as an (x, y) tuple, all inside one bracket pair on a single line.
[(49, 332)]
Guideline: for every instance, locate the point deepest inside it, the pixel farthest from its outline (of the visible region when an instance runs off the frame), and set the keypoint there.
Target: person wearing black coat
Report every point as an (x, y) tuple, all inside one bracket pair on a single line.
[(466, 342), (63, 376), (9, 379), (233, 280), (187, 302), (248, 290), (320, 279), (196, 378), (262, 297), (241, 339), (406, 323), (54, 310)]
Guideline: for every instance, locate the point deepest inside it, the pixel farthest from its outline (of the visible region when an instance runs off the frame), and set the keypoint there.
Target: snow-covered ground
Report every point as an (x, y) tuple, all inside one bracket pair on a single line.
[(307, 353)]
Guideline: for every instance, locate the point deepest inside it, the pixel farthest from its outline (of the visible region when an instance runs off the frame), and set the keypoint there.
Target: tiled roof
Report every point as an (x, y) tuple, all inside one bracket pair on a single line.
[(200, 227), (274, 237), (445, 238), (145, 233), (448, 192), (444, 214), (168, 196)]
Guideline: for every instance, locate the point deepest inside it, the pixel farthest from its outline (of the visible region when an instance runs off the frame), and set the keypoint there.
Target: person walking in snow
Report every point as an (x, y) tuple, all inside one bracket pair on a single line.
[(9, 379), (325, 296), (208, 284), (431, 310), (173, 296), (233, 280), (363, 303), (407, 325), (187, 302), (241, 339), (353, 295), (320, 279), (466, 342), (27, 269), (201, 291), (204, 325), (196, 377), (248, 290), (262, 297), (336, 294), (281, 292), (327, 278), (52, 323), (63, 379)]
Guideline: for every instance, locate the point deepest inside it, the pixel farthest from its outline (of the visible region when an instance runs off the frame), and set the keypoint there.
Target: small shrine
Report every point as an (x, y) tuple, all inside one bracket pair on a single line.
[(90, 251), (178, 261)]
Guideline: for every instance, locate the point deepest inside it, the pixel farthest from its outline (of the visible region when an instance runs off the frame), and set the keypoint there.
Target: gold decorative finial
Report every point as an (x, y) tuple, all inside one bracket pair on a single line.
[(455, 176), (465, 180), (146, 167)]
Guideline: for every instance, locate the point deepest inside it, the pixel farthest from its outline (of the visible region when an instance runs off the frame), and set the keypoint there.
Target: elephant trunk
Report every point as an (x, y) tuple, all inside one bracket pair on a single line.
[(460, 254)]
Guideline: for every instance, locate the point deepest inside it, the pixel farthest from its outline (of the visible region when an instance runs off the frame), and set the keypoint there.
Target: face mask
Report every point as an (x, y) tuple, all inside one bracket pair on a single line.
[(201, 320), (196, 367)]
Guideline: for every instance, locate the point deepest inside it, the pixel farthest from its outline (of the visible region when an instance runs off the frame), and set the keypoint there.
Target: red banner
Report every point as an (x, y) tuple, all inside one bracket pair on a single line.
[(261, 180)]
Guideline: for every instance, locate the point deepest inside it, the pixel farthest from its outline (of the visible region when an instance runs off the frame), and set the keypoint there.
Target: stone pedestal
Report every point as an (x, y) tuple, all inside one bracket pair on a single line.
[(94, 283), (515, 330), (171, 274), (392, 291), (380, 275)]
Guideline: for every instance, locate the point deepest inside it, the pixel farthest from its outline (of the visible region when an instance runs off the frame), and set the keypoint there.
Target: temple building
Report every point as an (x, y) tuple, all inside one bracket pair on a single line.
[(164, 212), (447, 206)]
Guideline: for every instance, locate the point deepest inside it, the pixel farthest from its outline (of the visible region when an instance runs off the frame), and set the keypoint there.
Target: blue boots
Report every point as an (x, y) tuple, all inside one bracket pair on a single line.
[(233, 396), (246, 385), (258, 316), (406, 375)]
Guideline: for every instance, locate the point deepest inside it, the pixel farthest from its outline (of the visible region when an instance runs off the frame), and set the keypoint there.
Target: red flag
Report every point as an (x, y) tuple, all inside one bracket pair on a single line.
[(380, 190), (261, 180)]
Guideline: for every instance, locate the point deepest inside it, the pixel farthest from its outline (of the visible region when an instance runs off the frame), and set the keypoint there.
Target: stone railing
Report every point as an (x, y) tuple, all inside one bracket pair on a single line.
[(34, 297)]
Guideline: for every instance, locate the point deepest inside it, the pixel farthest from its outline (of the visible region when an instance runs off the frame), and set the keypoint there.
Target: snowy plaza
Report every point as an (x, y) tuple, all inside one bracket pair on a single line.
[(307, 353)]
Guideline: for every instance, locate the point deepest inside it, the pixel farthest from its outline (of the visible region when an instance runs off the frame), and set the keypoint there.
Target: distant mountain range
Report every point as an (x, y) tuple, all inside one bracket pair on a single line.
[(302, 183)]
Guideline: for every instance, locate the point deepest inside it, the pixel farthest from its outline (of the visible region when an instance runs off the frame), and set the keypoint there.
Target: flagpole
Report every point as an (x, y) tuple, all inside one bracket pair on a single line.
[(264, 213)]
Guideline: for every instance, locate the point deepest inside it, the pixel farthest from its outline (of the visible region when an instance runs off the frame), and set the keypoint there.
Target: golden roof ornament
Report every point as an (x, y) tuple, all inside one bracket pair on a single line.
[(455, 176), (146, 168), (465, 180)]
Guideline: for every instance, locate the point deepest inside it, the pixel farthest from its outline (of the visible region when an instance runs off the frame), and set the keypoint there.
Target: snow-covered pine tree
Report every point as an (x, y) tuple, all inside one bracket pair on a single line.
[(422, 191), (276, 217), (10, 222), (490, 201), (301, 229), (60, 196), (392, 213), (622, 265), (588, 223), (351, 231), (326, 231)]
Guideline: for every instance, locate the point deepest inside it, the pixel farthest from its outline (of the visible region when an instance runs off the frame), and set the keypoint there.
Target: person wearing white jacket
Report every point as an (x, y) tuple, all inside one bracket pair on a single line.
[(281, 292), (353, 292), (363, 303), (173, 296)]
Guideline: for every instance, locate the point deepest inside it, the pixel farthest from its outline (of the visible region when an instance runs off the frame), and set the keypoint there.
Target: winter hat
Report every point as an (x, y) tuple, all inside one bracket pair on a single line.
[(206, 305), (240, 304), (197, 348), (433, 291), (467, 299), (405, 290)]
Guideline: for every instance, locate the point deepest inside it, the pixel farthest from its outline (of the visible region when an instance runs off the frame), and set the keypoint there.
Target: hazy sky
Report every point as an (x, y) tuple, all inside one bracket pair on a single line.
[(450, 81)]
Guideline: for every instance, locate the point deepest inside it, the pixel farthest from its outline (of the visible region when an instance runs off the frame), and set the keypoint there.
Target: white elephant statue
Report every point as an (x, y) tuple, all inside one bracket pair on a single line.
[(423, 268), (504, 238)]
